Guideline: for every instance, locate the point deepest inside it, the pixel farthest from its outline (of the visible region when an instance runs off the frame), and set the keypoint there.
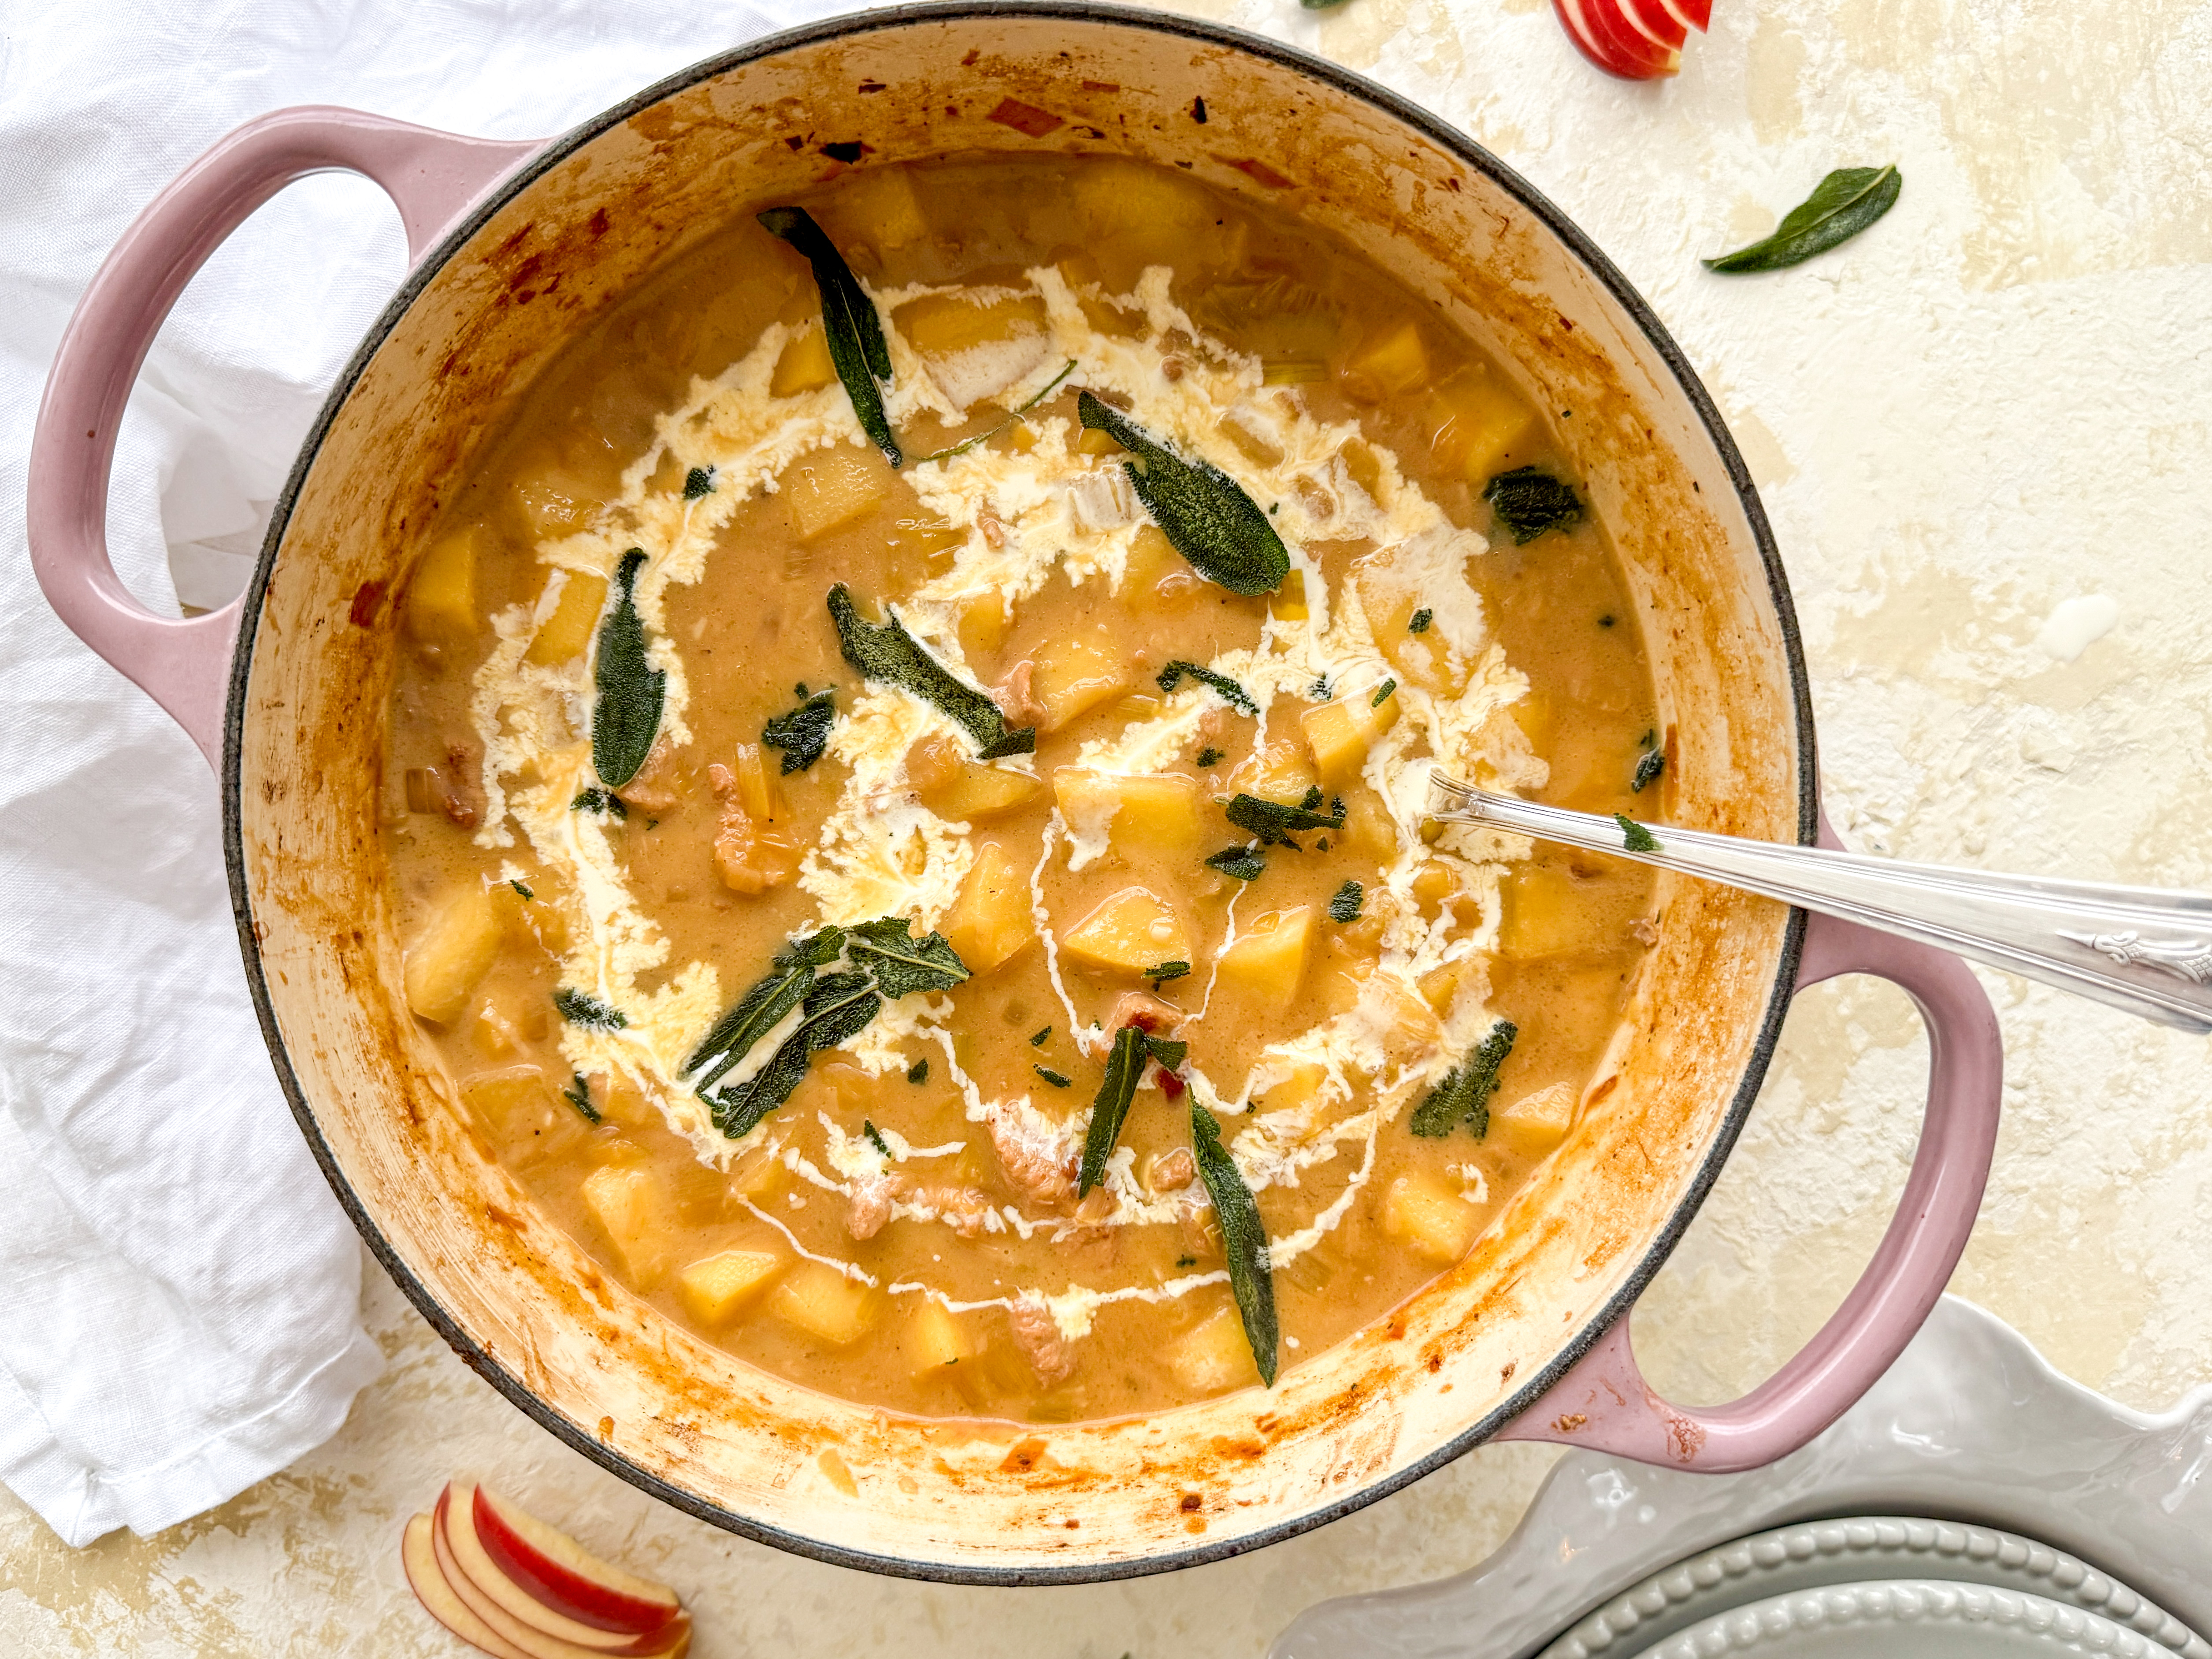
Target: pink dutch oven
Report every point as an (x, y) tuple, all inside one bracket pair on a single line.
[(515, 245)]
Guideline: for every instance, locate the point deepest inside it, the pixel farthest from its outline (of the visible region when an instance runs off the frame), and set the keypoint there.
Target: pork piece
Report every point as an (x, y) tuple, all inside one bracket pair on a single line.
[(961, 1209), (1043, 1165), (1039, 1338), (1153, 1016), (657, 788), (1171, 1172), (1014, 698), (873, 1199), (750, 855)]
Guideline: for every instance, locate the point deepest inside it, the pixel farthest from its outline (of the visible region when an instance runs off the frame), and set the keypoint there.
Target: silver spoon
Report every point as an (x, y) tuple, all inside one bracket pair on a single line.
[(2141, 949)]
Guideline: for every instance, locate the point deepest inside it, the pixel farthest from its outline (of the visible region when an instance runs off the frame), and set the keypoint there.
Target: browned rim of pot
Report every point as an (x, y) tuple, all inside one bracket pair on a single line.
[(1445, 137)]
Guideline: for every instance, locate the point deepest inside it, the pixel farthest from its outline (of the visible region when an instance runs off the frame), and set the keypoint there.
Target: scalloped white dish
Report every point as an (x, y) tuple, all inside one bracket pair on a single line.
[(1905, 1619), (1814, 1556)]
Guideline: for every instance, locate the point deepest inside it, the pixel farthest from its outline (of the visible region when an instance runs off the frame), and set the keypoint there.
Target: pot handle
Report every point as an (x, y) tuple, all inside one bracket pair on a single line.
[(1603, 1401), (183, 663)]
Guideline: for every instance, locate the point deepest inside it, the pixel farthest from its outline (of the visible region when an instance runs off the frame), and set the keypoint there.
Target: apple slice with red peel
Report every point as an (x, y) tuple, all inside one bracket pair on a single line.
[(1609, 40), (418, 1556), (562, 1575), (1651, 20), (1691, 14), (456, 1519), (528, 1638)]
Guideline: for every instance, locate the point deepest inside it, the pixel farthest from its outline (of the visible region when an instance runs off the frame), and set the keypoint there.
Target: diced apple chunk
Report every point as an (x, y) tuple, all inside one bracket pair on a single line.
[(714, 1287), (1138, 216), (1279, 770), (1549, 913), (1214, 1355), (554, 503), (507, 1097), (1537, 1122), (441, 595), (1156, 579), (822, 1302), (563, 635), (877, 206), (805, 365), (990, 920), (1073, 676), (1146, 812), (1434, 1220), (974, 351), (1338, 734), (935, 1339), (1128, 932), (1394, 359), (1476, 424), (1267, 962), (452, 953), (833, 486), (631, 1208), (977, 791)]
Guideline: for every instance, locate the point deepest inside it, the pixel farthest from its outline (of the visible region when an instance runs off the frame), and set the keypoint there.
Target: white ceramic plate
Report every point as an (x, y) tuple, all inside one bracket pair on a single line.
[(1905, 1619), (1811, 1556)]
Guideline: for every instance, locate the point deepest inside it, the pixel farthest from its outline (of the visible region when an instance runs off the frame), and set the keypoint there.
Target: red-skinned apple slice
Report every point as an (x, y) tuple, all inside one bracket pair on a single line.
[(1691, 14), (1604, 37), (418, 1556), (1651, 20), (561, 1574), (528, 1639), (456, 1519)]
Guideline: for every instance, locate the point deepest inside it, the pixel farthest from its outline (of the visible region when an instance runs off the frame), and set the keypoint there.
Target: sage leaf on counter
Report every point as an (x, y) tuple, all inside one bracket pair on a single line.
[(1841, 205), (1243, 1239), (855, 334), (1123, 1068), (803, 733), (582, 1008), (1464, 1094), (901, 964), (1273, 821), (763, 1007), (890, 656), (1228, 690), (836, 1006), (1210, 520), (1530, 500), (626, 714)]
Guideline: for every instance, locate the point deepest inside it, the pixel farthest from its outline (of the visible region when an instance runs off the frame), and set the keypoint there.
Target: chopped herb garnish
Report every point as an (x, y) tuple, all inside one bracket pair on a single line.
[(1606, 620), (1053, 1078), (1530, 500), (1422, 618), (901, 964), (836, 1006), (1160, 972), (1243, 1239), (850, 323), (763, 1007), (1634, 837), (578, 1095), (875, 1136), (582, 1008), (1038, 1041), (890, 656), (1243, 862), (1345, 907), (522, 888), (1382, 693), (1649, 765), (1170, 1053), (1209, 756), (803, 732), (1211, 522), (1271, 820), (1464, 1094), (1123, 1066), (1232, 693), (626, 714), (600, 802), (1186, 1262), (699, 480), (919, 1072), (967, 444), (1319, 691), (1841, 205)]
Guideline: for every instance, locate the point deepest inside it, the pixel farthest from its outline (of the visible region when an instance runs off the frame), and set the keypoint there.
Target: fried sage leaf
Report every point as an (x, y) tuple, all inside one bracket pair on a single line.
[(1634, 837), (1243, 1239), (578, 1095), (901, 964), (1649, 765), (836, 1006), (890, 656), (1841, 205), (1123, 1068), (1464, 1094), (1243, 862), (582, 1008), (699, 480), (1232, 693), (763, 1007), (626, 714), (803, 733), (1211, 522), (857, 347), (1530, 500), (1273, 821), (1345, 907)]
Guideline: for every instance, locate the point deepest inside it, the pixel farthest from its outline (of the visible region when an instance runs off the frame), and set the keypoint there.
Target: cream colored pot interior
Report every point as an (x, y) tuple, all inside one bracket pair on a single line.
[(1031, 1502)]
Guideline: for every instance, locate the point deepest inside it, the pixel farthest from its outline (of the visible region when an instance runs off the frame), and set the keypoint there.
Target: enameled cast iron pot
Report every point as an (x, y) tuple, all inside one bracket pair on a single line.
[(516, 245)]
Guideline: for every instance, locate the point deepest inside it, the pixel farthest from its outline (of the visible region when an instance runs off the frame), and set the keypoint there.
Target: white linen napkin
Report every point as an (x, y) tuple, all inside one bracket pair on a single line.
[(179, 1290)]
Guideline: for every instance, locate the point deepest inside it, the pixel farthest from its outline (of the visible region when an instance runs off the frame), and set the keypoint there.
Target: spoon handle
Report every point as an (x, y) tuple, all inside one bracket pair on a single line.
[(2140, 949)]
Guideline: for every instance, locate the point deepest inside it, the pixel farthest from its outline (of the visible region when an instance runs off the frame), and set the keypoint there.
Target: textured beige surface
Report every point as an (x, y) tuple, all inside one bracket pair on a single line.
[(1999, 401)]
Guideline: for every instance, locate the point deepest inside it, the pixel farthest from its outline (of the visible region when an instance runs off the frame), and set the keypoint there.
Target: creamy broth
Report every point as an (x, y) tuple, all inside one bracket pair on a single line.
[(904, 1230)]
